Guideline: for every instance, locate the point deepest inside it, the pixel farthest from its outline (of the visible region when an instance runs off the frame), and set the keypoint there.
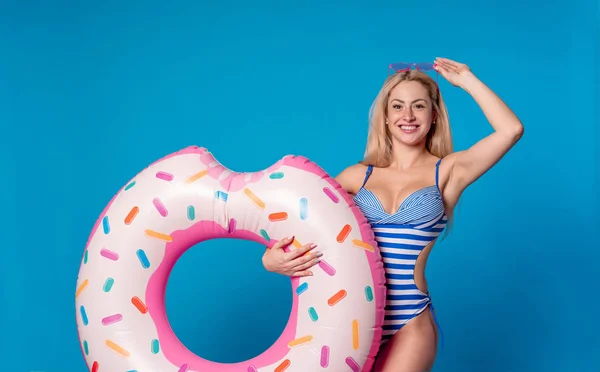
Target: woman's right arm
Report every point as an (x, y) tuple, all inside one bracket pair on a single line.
[(297, 262)]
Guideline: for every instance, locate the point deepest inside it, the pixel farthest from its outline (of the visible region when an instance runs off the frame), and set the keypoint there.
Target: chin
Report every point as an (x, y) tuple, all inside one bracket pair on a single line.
[(410, 139)]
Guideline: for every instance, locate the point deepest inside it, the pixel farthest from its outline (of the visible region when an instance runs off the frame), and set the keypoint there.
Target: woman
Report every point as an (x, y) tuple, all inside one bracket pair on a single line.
[(407, 187)]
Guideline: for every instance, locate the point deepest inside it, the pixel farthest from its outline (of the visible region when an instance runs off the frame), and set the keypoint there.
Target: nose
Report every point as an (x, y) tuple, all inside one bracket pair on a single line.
[(408, 115)]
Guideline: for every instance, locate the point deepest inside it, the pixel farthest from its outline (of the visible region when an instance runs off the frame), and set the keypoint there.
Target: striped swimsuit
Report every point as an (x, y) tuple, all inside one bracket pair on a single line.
[(401, 236)]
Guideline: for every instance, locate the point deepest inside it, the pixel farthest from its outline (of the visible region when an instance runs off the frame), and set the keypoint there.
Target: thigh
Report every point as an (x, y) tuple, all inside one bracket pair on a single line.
[(412, 349)]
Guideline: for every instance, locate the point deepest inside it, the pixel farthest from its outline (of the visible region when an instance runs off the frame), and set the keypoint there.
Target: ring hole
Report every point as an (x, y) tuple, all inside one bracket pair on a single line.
[(223, 305)]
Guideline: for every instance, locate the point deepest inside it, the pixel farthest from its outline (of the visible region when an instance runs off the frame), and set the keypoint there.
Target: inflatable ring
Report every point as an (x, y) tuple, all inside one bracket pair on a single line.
[(188, 197)]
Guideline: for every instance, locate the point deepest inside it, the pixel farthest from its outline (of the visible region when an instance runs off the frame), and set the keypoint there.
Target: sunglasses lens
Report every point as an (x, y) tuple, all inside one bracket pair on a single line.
[(399, 66), (425, 66)]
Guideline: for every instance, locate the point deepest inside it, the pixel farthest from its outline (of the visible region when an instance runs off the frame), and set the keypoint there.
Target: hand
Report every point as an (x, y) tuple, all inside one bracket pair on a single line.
[(456, 73), (293, 263)]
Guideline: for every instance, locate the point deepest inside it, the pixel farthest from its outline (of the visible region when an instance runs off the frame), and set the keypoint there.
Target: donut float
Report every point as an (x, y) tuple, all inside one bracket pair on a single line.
[(188, 197)]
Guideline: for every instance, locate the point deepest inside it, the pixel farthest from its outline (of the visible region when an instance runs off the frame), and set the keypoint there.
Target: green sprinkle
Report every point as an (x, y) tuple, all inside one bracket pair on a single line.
[(108, 284), (369, 293), (155, 346), (191, 212), (265, 235), (276, 175), (313, 314)]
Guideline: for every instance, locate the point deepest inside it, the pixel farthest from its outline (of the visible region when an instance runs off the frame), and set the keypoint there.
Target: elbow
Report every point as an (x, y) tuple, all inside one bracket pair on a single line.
[(517, 132)]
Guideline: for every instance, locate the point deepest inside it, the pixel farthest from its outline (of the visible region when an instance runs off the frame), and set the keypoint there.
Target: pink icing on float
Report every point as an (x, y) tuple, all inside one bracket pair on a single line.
[(189, 197)]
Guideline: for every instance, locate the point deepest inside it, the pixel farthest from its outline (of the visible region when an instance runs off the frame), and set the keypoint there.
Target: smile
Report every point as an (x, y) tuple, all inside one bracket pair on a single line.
[(408, 128)]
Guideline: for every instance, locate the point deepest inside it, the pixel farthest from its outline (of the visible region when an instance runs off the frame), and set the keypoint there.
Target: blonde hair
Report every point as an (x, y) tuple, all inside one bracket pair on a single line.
[(379, 141)]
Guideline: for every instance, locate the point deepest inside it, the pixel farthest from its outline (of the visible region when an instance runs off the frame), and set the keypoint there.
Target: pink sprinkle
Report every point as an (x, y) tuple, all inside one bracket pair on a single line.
[(324, 356), (330, 194), (112, 319), (183, 368), (109, 254), (252, 369), (164, 176), (327, 268), (352, 364), (160, 207), (232, 225)]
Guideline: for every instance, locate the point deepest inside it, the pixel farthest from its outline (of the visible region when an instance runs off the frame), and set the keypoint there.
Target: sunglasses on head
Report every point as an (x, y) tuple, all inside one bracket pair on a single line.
[(420, 66)]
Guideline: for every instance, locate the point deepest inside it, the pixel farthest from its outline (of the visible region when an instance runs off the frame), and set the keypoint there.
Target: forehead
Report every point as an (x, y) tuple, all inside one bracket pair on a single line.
[(409, 90)]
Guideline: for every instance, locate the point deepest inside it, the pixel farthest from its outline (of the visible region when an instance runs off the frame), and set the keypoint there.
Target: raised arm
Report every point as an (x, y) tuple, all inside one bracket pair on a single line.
[(470, 164)]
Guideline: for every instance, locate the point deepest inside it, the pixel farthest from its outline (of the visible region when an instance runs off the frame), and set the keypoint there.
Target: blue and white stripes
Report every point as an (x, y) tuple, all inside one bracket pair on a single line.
[(401, 237)]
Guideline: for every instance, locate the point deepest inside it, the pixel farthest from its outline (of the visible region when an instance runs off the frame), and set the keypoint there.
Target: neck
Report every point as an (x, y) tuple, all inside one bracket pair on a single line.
[(407, 156)]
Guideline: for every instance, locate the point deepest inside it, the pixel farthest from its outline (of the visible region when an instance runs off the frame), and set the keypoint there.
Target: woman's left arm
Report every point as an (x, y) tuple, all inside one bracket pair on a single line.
[(470, 164)]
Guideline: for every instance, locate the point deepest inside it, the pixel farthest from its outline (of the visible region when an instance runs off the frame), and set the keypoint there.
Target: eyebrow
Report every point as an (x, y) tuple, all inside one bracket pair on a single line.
[(416, 100)]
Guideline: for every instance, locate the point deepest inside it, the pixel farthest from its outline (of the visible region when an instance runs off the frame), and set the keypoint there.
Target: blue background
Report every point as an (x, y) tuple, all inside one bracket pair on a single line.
[(90, 94)]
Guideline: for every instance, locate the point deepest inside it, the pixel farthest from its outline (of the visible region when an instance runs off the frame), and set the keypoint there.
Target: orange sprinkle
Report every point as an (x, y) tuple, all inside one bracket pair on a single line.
[(355, 334), (363, 245), (344, 233), (196, 176), (278, 216), (337, 297), (157, 235), (283, 366), (139, 305), (131, 215), (117, 348), (300, 341), (296, 243), (81, 288), (255, 199)]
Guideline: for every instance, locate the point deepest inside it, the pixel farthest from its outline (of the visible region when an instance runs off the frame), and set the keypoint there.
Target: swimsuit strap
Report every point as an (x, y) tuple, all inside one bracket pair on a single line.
[(369, 171), (437, 174)]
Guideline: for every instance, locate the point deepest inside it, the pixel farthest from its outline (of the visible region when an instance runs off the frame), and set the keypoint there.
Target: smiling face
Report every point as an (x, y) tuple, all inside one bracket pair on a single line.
[(409, 113)]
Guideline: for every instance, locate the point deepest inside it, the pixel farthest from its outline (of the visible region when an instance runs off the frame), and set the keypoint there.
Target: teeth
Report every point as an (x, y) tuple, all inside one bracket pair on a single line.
[(408, 127)]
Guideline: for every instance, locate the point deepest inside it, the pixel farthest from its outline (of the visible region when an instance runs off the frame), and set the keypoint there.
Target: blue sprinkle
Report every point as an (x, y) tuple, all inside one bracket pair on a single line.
[(108, 284), (129, 186), (85, 257), (303, 208), (276, 175), (105, 225), (221, 195), (84, 317), (302, 288), (85, 348), (191, 212), (143, 258), (155, 346)]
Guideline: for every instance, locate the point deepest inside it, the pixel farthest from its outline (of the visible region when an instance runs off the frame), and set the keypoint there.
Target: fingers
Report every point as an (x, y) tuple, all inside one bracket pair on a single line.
[(301, 251), (447, 62), (303, 273), (283, 242), (308, 264)]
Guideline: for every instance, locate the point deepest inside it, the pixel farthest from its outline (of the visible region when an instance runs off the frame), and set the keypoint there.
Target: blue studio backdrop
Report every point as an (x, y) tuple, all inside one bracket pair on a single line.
[(90, 94)]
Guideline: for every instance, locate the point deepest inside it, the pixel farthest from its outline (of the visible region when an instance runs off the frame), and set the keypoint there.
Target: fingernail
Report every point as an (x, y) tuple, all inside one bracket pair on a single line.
[(319, 254), (310, 273), (290, 237), (313, 245), (317, 260)]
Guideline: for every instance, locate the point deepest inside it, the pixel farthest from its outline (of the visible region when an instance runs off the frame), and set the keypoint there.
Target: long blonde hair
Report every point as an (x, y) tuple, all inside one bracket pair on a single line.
[(379, 141)]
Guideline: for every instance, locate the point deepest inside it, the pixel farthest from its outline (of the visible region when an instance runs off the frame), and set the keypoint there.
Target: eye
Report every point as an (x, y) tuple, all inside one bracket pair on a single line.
[(420, 106), (397, 107)]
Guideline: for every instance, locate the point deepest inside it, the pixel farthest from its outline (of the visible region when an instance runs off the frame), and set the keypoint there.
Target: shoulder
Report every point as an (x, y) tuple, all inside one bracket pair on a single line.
[(351, 177)]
